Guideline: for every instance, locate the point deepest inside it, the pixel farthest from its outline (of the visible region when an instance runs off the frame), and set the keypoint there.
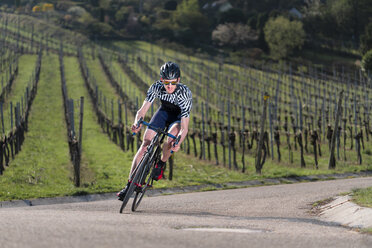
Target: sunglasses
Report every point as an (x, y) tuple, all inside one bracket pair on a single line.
[(170, 82)]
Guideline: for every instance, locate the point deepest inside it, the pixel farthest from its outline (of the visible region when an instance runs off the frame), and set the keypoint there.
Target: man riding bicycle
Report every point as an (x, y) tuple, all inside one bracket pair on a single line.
[(174, 113)]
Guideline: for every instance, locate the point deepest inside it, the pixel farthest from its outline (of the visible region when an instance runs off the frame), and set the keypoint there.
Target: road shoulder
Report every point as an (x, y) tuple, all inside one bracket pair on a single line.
[(345, 212)]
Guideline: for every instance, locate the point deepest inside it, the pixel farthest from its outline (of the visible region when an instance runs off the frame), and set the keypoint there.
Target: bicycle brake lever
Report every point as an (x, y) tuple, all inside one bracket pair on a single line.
[(176, 142)]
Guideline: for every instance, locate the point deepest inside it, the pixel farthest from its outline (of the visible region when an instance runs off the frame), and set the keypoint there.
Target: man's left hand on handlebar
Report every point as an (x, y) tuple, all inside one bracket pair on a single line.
[(175, 144), (175, 147)]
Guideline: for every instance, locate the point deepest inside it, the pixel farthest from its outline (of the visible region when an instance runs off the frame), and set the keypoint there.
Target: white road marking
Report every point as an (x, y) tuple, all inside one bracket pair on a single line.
[(229, 230)]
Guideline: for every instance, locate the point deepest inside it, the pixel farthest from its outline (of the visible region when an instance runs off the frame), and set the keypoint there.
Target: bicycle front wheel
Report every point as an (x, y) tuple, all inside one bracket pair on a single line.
[(139, 195), (135, 180), (147, 177)]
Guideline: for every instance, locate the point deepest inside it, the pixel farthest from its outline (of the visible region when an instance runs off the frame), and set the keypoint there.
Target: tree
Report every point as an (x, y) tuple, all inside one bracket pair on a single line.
[(223, 34), (170, 5), (260, 24), (233, 15), (233, 34), (367, 62), (283, 36), (190, 23), (342, 12), (121, 16), (163, 25), (366, 39), (351, 15), (104, 6), (103, 30), (261, 20)]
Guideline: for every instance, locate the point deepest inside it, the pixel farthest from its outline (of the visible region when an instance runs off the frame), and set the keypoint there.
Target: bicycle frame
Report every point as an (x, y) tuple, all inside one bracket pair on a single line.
[(154, 141)]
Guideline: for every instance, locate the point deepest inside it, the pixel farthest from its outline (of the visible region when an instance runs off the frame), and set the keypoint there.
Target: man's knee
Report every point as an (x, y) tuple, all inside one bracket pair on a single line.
[(145, 144)]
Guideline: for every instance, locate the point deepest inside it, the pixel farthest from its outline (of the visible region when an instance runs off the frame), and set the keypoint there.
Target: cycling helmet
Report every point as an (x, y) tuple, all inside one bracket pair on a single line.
[(170, 71)]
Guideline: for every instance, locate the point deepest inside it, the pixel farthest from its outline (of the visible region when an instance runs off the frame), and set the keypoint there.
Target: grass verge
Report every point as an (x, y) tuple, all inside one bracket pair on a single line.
[(363, 197), (366, 230)]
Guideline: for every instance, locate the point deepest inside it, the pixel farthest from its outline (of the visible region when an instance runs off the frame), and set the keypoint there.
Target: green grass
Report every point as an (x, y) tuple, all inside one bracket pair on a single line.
[(320, 57), (105, 165), (104, 87), (367, 230), (43, 166), (129, 87), (26, 68), (363, 197)]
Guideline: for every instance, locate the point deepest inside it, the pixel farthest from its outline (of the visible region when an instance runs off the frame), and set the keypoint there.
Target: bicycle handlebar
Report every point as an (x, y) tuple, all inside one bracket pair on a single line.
[(141, 121)]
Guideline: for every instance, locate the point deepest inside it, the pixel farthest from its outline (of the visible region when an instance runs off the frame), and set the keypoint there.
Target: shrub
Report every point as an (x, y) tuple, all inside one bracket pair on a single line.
[(283, 36), (76, 11), (245, 55), (101, 29)]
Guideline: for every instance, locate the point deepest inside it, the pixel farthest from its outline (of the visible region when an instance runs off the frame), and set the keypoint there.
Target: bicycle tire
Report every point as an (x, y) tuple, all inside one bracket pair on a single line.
[(139, 195), (134, 182)]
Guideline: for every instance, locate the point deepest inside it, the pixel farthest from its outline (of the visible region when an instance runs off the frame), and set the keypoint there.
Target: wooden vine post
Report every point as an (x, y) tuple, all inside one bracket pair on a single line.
[(79, 151), (258, 162), (332, 158)]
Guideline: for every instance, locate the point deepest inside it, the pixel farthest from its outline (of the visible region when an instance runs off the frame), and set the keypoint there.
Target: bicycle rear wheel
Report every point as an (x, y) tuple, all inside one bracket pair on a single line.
[(135, 180)]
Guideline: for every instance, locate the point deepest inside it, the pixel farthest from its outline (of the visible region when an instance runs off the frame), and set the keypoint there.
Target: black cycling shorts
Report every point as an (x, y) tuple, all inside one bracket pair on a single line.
[(163, 118)]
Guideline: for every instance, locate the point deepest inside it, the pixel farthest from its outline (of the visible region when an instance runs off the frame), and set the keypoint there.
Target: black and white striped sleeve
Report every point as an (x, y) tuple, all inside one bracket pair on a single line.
[(153, 92), (185, 102)]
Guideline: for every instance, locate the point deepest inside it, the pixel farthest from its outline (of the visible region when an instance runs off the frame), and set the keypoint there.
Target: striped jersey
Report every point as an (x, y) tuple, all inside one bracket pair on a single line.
[(179, 101)]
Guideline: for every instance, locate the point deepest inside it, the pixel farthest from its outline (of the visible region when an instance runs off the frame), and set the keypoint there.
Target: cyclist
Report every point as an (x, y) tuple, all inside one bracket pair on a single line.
[(174, 113)]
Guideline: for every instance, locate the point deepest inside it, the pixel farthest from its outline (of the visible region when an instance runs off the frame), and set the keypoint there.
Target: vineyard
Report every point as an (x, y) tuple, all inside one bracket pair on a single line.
[(67, 105)]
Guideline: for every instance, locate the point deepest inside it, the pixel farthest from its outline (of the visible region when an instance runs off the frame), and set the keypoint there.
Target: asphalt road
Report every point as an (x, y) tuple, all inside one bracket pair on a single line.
[(269, 216)]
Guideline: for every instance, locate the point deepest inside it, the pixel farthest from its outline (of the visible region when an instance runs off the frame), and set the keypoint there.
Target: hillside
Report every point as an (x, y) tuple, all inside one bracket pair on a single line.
[(332, 32)]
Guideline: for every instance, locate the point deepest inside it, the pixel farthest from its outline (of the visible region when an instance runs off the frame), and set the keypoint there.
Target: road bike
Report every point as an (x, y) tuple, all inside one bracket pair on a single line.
[(142, 177)]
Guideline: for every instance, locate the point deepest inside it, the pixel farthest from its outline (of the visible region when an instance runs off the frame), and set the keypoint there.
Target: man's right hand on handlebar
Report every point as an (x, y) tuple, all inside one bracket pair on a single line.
[(137, 125), (135, 129)]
